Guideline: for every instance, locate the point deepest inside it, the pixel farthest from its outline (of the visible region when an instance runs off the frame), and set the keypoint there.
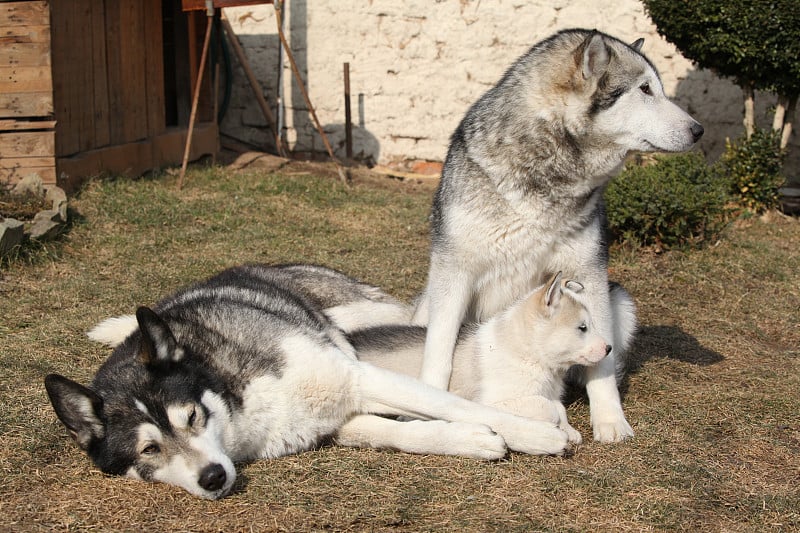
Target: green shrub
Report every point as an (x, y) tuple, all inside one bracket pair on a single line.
[(753, 167), (676, 202)]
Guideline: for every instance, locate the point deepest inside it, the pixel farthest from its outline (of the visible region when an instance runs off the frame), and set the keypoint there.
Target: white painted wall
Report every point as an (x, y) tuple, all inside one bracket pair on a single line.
[(417, 65)]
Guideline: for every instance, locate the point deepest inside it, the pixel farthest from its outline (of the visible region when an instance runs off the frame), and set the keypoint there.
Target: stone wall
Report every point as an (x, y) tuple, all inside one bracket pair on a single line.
[(417, 65)]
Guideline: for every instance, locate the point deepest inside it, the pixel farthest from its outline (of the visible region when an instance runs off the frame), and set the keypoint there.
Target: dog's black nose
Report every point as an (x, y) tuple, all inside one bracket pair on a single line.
[(212, 477), (697, 131), (608, 349)]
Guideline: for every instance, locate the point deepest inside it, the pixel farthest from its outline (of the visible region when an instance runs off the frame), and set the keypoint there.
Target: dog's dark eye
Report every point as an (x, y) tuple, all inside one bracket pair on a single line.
[(583, 327), (151, 449), (645, 88), (192, 417)]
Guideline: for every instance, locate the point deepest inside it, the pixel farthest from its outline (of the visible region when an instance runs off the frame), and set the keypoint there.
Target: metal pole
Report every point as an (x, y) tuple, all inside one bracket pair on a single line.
[(348, 123)]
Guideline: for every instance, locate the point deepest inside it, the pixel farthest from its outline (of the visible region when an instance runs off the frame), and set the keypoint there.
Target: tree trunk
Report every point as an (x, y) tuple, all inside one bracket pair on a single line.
[(788, 120), (780, 112), (749, 108)]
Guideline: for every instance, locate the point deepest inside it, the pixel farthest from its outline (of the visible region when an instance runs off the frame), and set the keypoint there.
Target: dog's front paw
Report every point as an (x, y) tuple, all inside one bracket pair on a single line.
[(545, 439), (477, 441), (573, 436), (612, 431)]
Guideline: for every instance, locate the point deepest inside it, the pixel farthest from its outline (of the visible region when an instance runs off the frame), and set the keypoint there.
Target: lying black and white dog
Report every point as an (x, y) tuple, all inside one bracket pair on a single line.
[(252, 364)]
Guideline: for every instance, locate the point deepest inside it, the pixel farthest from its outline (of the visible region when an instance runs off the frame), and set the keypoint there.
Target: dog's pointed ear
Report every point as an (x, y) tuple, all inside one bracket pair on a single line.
[(637, 44), (78, 408), (595, 56), (158, 344), (552, 296)]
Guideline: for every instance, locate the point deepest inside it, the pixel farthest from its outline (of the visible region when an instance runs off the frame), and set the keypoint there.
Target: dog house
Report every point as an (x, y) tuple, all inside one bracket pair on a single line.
[(98, 86)]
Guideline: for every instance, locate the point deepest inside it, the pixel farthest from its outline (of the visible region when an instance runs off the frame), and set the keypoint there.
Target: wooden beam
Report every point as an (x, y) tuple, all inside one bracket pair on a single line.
[(11, 124), (26, 104), (136, 158), (16, 14), (27, 144)]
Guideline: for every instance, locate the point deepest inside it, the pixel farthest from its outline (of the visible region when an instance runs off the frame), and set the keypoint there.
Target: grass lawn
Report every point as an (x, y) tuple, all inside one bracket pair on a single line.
[(712, 391)]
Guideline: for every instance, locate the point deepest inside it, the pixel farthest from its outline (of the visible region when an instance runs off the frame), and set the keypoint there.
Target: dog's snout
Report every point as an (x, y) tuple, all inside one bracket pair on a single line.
[(608, 349), (212, 477), (697, 131)]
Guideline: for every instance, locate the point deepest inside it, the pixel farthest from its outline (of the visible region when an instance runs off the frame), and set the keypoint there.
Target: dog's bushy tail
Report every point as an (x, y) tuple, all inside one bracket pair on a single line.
[(623, 312), (113, 331)]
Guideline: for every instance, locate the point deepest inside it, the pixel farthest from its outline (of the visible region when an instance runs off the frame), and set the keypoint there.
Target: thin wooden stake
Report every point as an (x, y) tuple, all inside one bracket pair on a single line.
[(196, 97)]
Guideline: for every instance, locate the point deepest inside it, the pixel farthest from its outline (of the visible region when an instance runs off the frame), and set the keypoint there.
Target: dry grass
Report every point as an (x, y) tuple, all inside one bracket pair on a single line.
[(712, 392)]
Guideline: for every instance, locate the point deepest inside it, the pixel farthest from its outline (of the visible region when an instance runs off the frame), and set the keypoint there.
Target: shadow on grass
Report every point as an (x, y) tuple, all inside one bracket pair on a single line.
[(653, 342), (665, 342), (668, 342)]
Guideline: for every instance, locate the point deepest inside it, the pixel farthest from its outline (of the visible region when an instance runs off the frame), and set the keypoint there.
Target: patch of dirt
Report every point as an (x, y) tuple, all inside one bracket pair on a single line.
[(22, 207)]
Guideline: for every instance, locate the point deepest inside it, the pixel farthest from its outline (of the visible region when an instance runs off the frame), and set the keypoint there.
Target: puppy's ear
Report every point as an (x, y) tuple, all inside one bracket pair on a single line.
[(637, 44), (552, 296), (594, 57), (572, 285), (157, 345), (78, 408)]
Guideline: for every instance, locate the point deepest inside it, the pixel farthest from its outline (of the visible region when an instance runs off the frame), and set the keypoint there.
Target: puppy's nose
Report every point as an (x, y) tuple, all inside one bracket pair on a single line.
[(608, 349), (697, 131)]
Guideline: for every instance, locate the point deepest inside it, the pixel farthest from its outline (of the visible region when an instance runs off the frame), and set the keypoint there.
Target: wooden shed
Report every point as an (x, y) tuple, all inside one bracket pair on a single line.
[(97, 86)]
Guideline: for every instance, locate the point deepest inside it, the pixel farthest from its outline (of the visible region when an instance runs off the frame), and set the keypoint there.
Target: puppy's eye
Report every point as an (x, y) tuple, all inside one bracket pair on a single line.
[(151, 449), (583, 327), (645, 88), (192, 417)]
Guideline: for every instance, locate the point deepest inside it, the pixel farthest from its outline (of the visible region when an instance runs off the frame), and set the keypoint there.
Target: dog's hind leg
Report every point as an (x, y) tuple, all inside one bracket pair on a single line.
[(385, 392), (422, 437)]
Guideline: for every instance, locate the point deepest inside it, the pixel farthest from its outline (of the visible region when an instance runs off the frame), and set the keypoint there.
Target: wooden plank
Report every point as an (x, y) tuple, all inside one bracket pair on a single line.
[(26, 104), (10, 176), (25, 79), (116, 107), (27, 144), (10, 163), (65, 62), (195, 5), (25, 34), (133, 159), (132, 73), (84, 71), (25, 54), (102, 133), (11, 124), (13, 169), (154, 73), (24, 13)]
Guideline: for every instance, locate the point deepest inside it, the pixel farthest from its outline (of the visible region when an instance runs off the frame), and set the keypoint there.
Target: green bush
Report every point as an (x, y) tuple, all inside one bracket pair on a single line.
[(754, 43), (753, 167), (676, 202)]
